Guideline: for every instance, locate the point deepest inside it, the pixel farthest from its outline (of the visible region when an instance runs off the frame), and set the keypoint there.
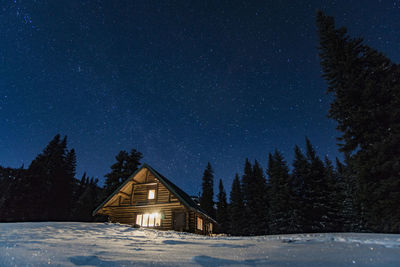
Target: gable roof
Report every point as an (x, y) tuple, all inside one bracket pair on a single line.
[(184, 198)]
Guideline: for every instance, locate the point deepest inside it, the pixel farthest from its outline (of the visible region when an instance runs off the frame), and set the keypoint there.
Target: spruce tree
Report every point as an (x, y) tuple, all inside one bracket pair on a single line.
[(316, 192), (236, 208), (281, 206), (333, 197), (126, 164), (207, 194), (350, 213), (49, 178), (87, 201), (254, 199), (366, 89), (247, 193), (260, 207), (300, 172), (222, 209)]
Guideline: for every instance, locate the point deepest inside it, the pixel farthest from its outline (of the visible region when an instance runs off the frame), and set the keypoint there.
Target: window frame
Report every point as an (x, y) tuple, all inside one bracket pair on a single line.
[(151, 195), (149, 219)]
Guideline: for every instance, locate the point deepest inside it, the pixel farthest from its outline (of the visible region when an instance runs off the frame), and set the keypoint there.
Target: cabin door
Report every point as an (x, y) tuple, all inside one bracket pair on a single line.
[(179, 221)]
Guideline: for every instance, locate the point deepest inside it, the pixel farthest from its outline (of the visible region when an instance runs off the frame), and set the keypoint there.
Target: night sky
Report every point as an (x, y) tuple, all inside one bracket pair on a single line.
[(182, 82)]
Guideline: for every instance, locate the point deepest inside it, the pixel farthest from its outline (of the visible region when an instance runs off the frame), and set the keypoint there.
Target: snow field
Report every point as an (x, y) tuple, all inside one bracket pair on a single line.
[(99, 244)]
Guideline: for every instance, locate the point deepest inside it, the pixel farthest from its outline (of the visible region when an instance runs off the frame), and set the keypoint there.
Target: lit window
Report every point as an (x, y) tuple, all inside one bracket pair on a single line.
[(139, 219), (145, 220), (152, 194), (210, 227), (149, 219), (199, 223)]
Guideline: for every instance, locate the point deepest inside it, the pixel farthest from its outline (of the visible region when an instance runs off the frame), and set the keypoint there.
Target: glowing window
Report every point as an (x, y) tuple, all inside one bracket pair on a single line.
[(149, 219), (139, 219), (210, 227), (152, 194), (199, 223), (145, 220)]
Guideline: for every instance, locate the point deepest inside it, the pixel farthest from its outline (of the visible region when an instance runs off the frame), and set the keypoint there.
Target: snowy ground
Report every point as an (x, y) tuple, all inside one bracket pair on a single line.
[(98, 244)]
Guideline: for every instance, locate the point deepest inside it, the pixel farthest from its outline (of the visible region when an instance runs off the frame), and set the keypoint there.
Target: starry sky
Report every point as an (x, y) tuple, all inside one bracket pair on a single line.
[(184, 82)]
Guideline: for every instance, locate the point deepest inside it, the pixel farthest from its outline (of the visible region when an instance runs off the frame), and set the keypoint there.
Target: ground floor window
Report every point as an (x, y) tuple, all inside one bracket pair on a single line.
[(210, 227), (149, 219), (199, 223)]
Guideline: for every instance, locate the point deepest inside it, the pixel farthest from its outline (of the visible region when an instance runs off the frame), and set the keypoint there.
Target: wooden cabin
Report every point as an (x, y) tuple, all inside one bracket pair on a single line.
[(148, 199)]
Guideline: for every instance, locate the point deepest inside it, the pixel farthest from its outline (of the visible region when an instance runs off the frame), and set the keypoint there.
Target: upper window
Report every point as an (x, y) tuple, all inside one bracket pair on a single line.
[(152, 194)]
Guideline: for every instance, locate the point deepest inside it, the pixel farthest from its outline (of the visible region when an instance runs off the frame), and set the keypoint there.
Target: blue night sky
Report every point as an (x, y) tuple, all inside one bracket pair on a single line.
[(182, 82)]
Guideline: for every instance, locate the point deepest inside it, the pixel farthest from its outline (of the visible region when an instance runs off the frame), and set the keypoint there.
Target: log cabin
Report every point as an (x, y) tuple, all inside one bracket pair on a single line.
[(148, 199)]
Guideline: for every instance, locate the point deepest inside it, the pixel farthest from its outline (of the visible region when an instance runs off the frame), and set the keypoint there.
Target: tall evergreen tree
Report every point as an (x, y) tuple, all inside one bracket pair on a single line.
[(260, 201), (366, 89), (350, 213), (281, 201), (300, 172), (47, 190), (316, 192), (87, 201), (222, 209), (49, 182), (207, 194), (126, 164), (246, 181), (254, 199), (236, 208), (333, 197)]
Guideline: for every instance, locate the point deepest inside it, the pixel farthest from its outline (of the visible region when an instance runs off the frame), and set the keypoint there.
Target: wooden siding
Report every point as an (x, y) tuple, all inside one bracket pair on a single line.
[(132, 199), (127, 214)]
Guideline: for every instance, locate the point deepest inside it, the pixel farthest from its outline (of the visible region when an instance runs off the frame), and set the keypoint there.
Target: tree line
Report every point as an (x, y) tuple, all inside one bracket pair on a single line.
[(313, 197), (360, 194), (48, 189)]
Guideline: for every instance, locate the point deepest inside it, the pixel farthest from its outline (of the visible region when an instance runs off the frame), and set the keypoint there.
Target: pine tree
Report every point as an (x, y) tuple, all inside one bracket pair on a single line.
[(247, 179), (334, 196), (126, 165), (87, 201), (254, 199), (49, 182), (247, 192), (207, 194), (366, 89), (300, 172), (350, 214), (316, 192), (281, 203), (260, 207), (222, 209), (236, 208)]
